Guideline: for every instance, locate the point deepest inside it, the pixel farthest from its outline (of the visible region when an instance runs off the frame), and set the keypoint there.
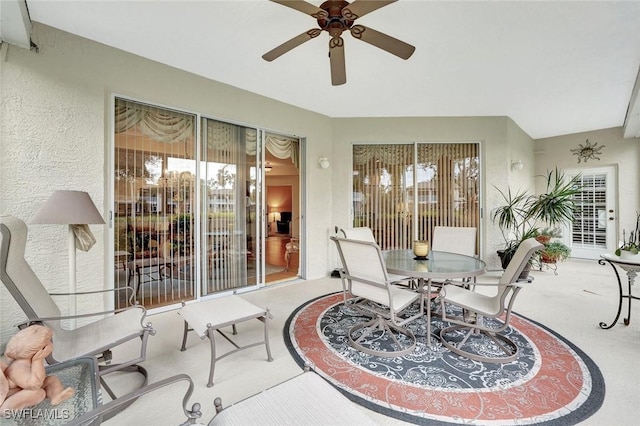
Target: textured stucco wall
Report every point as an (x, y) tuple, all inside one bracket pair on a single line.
[(52, 137), (55, 132)]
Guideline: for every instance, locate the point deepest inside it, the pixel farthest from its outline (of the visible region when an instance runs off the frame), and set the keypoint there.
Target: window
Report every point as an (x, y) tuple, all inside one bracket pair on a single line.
[(401, 191)]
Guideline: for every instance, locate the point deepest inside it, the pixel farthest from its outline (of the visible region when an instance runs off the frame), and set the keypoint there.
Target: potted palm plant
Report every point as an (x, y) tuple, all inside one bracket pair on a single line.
[(522, 214)]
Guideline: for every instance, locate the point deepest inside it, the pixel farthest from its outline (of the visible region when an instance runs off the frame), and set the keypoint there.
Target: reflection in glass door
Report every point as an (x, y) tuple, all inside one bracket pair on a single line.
[(154, 199), (229, 220)]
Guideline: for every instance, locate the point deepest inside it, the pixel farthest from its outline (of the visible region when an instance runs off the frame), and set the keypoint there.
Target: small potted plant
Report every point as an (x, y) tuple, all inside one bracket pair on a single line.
[(554, 251), (630, 247), (545, 235)]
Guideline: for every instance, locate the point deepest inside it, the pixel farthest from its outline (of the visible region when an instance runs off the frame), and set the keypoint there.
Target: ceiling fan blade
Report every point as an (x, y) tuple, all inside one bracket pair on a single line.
[(288, 45), (359, 8), (336, 58), (383, 41), (304, 7)]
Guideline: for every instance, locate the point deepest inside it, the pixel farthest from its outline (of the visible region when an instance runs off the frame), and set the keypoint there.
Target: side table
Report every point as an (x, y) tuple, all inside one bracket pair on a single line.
[(81, 374), (631, 267)]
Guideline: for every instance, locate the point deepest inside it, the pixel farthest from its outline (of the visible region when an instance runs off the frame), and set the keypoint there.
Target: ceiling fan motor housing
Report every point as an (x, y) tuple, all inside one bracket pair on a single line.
[(335, 23)]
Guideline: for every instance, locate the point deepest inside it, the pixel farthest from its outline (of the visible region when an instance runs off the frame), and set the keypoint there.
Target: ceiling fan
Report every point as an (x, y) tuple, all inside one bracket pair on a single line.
[(335, 17)]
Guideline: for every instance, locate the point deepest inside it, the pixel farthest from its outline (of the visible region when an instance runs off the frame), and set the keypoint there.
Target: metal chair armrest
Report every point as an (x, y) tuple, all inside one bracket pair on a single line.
[(192, 415), (128, 289), (92, 314)]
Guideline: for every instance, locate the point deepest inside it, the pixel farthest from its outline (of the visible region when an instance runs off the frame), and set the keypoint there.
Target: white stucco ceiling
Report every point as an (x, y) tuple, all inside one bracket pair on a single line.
[(555, 67)]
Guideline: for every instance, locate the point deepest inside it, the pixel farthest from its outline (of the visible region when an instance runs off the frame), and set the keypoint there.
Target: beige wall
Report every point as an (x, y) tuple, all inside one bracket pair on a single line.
[(624, 154), (54, 128)]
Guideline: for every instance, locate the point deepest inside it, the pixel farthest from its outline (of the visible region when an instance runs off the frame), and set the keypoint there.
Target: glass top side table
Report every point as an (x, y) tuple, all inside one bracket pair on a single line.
[(81, 374), (631, 267)]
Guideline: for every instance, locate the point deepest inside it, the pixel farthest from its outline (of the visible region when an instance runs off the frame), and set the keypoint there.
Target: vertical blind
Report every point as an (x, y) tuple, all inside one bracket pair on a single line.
[(228, 219), (165, 190), (153, 195), (401, 191)]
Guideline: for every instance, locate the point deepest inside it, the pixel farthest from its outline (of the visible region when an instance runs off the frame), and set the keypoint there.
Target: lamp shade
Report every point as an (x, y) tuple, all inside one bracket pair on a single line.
[(69, 208)]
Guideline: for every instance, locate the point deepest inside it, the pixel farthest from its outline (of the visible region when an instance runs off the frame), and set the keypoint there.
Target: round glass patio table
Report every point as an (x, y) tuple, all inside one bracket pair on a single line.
[(439, 265)]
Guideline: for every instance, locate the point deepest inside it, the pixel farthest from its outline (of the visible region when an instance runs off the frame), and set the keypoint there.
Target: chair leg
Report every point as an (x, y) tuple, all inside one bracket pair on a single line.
[(508, 349), (362, 337)]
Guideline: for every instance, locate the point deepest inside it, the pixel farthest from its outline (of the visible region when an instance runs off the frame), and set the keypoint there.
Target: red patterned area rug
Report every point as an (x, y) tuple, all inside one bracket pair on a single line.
[(552, 382)]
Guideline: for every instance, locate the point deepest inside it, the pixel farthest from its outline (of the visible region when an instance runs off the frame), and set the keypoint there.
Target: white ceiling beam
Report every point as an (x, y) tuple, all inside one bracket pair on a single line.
[(15, 25), (632, 120)]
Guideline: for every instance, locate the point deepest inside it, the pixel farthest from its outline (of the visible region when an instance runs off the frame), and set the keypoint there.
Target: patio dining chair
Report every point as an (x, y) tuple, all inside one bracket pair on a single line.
[(368, 288), (364, 233), (97, 339), (471, 333), (454, 239)]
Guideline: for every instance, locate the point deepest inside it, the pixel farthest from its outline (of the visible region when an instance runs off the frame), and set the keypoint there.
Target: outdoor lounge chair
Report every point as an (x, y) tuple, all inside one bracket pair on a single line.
[(95, 339), (305, 399), (364, 276), (470, 329)]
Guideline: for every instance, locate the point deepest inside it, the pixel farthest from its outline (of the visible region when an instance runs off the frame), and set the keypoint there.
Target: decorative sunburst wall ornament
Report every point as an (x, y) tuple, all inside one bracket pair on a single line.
[(588, 151)]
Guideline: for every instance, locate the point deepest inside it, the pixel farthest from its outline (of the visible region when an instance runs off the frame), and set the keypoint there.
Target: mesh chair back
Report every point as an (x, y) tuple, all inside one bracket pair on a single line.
[(454, 239), (17, 275), (520, 258), (362, 262), (361, 233)]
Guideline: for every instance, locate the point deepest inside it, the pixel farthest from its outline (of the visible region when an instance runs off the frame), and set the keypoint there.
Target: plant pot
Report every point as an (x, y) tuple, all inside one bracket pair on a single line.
[(545, 258), (543, 239), (505, 259), (626, 254)]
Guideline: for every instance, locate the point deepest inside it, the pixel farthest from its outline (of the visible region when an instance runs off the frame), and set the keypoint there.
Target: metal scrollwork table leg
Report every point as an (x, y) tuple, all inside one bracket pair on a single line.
[(631, 276)]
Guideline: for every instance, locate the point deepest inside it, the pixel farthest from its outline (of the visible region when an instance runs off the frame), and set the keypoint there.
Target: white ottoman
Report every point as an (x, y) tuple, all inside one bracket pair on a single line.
[(206, 317)]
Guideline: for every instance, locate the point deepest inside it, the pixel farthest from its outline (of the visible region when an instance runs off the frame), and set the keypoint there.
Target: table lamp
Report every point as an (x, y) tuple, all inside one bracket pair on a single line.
[(73, 208)]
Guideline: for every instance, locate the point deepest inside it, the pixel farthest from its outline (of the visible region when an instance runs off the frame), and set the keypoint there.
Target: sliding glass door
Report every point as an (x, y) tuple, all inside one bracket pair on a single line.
[(186, 196), (401, 191), (230, 223), (189, 217)]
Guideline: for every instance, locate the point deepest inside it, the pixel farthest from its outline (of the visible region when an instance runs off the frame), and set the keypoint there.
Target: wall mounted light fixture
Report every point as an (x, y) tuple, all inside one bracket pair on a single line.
[(324, 162), (517, 165), (267, 167)]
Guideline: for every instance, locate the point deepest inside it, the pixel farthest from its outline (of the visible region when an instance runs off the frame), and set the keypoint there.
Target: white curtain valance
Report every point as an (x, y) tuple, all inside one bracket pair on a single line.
[(398, 154), (386, 154), (161, 125), (170, 127), (221, 136)]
